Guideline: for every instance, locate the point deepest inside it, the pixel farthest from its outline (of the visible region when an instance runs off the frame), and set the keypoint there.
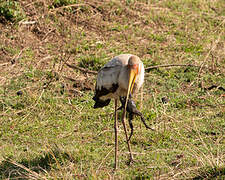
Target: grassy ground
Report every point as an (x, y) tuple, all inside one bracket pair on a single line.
[(49, 129)]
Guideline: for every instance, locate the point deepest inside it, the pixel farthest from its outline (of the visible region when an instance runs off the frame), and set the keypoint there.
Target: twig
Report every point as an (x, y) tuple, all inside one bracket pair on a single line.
[(27, 22), (52, 30), (32, 174), (69, 102), (73, 5), (209, 52), (215, 86), (3, 64), (171, 65), (73, 66), (44, 59), (78, 91), (16, 57), (103, 160), (63, 62), (68, 6), (69, 78)]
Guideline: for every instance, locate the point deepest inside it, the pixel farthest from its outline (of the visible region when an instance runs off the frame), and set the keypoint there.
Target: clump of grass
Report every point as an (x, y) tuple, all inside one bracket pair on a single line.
[(60, 3), (10, 11), (210, 173), (91, 62)]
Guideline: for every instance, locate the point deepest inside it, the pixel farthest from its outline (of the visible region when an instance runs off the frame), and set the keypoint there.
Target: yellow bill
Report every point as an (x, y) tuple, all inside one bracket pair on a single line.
[(132, 79)]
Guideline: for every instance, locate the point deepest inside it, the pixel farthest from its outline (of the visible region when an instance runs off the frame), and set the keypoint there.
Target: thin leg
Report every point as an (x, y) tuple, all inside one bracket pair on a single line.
[(125, 130), (131, 116), (116, 135)]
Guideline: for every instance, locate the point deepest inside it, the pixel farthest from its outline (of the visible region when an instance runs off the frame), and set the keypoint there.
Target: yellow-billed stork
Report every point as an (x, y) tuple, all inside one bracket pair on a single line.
[(121, 77)]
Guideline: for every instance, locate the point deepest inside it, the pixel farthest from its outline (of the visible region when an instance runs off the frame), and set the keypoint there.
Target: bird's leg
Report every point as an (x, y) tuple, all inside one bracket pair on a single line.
[(125, 130), (123, 101), (131, 125), (116, 135)]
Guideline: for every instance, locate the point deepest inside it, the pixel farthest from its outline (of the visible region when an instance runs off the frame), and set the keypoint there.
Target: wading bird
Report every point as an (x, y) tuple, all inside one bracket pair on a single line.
[(121, 77)]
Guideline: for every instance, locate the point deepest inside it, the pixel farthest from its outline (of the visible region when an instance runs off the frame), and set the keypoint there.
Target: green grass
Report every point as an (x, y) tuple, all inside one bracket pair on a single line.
[(10, 11), (49, 129)]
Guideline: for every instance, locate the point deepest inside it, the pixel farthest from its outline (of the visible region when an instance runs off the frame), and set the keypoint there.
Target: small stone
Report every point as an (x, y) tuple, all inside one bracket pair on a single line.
[(19, 93), (165, 100)]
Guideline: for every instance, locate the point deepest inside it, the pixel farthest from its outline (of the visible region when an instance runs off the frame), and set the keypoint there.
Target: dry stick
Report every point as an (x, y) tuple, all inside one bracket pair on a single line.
[(73, 66), (48, 34), (17, 56), (31, 173), (103, 160), (215, 86), (171, 65), (27, 22), (64, 62), (71, 5), (3, 64)]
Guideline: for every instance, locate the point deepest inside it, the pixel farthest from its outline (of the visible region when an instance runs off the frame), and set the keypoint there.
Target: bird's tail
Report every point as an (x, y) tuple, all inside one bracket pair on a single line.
[(100, 103)]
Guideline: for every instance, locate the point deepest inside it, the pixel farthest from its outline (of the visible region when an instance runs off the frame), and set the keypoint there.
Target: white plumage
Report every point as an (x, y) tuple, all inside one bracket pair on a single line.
[(115, 72)]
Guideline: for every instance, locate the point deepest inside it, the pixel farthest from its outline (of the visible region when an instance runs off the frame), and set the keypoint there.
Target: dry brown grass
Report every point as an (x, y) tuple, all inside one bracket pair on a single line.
[(45, 103)]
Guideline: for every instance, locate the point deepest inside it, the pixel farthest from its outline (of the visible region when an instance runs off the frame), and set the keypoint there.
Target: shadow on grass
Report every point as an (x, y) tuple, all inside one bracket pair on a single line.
[(23, 169), (214, 173)]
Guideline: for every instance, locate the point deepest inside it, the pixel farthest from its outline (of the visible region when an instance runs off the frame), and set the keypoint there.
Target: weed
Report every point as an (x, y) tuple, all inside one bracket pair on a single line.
[(91, 62), (60, 3), (10, 11)]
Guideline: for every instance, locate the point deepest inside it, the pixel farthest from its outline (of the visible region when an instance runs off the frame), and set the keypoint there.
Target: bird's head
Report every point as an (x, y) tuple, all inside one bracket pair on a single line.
[(133, 67)]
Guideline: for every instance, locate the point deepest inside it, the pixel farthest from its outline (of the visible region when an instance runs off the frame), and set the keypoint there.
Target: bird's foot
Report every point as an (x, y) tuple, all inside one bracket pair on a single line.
[(130, 161), (143, 120), (114, 168), (132, 110)]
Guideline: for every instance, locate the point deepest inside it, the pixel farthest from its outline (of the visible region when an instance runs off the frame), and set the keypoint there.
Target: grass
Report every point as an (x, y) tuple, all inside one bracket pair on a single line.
[(10, 11), (49, 129)]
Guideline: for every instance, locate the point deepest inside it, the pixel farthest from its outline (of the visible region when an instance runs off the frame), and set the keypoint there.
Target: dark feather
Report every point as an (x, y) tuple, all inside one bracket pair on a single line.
[(104, 91)]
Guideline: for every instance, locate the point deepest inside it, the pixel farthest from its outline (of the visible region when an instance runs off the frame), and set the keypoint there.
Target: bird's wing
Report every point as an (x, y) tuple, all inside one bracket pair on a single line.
[(108, 74), (107, 83), (107, 80)]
